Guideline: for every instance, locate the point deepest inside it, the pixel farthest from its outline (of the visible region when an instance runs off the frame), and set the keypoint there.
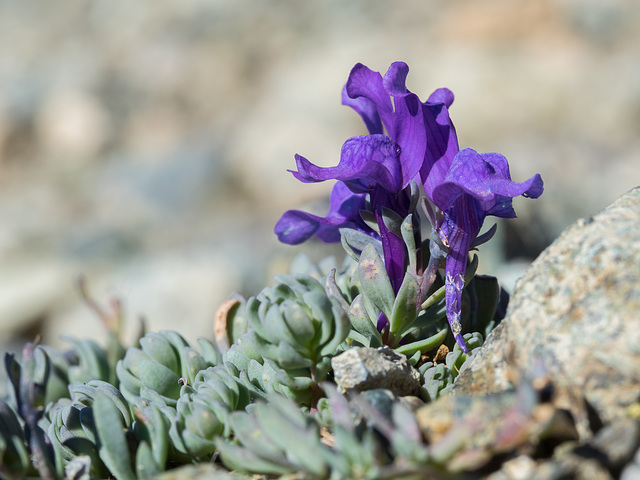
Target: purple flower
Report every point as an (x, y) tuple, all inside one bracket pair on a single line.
[(408, 141), (467, 186), (381, 165), (421, 132), (295, 227)]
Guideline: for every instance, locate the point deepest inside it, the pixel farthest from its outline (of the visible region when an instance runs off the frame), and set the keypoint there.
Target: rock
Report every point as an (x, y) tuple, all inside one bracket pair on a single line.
[(632, 471), (617, 443), (574, 319), (572, 466), (363, 368), (380, 399), (519, 468), (467, 431)]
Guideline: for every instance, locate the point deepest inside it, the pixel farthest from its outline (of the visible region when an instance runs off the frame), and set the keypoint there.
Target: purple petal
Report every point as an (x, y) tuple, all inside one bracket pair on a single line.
[(500, 206), (393, 245), (365, 161), (364, 82), (442, 142), (411, 136), (295, 226), (441, 95), (454, 283), (394, 80), (458, 242), (461, 225), (485, 177), (410, 131), (366, 109), (435, 183)]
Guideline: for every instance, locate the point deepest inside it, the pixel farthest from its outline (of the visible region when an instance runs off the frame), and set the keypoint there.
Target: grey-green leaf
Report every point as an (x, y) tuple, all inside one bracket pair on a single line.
[(405, 307), (375, 281), (114, 450), (423, 345)]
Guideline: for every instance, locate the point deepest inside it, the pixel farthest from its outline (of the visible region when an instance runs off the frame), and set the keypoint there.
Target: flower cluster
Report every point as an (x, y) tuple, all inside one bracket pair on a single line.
[(411, 145)]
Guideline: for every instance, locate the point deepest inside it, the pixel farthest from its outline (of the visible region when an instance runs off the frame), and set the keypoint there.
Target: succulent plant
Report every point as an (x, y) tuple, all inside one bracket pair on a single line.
[(84, 361), (152, 421), (203, 409), (295, 329), (14, 452), (73, 428), (29, 381), (415, 316), (261, 376), (97, 424), (155, 369), (277, 438), (296, 324)]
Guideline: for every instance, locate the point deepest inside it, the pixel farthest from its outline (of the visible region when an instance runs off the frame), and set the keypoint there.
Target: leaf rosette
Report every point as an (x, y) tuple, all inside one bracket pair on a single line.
[(297, 326), (154, 370), (72, 426), (203, 409)]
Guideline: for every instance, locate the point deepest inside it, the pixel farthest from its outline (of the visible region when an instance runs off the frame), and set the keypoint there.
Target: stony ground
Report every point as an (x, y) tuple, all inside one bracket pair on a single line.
[(146, 145)]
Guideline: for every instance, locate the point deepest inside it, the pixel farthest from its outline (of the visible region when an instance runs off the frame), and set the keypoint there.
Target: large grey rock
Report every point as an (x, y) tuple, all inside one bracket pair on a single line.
[(574, 318)]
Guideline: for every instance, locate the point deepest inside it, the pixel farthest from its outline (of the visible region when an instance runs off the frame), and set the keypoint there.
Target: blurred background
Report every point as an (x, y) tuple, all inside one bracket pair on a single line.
[(145, 144)]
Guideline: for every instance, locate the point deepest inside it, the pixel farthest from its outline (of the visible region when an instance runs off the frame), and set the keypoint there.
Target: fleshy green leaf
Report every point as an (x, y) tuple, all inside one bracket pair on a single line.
[(408, 235), (114, 450), (423, 345), (288, 357), (244, 460), (375, 281), (405, 307), (342, 327), (159, 349), (361, 322), (294, 436), (146, 466), (392, 220), (159, 378), (358, 240), (298, 322)]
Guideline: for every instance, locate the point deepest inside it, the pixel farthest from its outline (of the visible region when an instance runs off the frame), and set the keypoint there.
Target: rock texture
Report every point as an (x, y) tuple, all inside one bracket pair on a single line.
[(555, 390), (362, 369), (574, 318)]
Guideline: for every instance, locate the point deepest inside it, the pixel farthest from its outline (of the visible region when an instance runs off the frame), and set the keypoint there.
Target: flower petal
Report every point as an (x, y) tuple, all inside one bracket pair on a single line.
[(365, 161), (295, 226), (453, 285), (364, 82), (442, 141), (410, 132), (485, 177), (366, 109), (394, 80), (459, 228), (441, 95), (411, 136)]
